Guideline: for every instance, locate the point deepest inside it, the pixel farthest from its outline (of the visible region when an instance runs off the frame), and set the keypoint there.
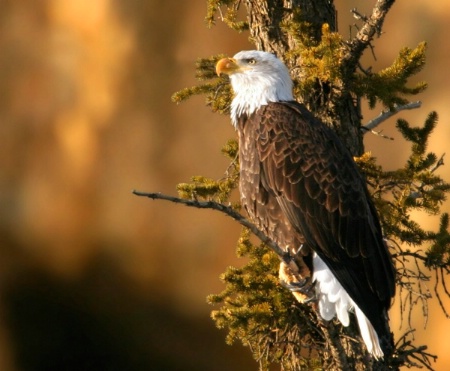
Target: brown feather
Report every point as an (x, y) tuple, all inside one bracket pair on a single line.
[(300, 185)]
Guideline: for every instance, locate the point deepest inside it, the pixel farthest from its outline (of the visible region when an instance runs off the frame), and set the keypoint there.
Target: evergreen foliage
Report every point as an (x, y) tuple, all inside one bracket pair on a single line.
[(389, 85), (217, 89), (416, 186), (318, 62), (253, 307), (229, 17), (215, 190), (397, 194), (259, 312)]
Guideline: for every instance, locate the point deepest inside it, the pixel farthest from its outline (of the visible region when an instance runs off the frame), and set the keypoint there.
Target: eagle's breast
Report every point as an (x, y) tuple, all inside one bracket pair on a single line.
[(261, 203)]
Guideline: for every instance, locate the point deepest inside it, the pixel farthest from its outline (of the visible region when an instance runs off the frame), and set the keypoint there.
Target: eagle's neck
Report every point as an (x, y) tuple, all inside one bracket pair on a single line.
[(253, 91)]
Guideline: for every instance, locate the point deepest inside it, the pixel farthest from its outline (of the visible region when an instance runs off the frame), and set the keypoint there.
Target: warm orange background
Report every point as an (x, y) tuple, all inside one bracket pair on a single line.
[(94, 278)]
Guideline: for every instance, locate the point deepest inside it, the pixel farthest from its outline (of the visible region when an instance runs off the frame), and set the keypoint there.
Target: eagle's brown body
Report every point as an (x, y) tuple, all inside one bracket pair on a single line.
[(301, 186)]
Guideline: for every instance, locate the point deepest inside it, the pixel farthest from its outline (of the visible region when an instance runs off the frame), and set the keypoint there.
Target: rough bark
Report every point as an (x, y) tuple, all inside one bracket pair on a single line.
[(266, 16), (336, 107)]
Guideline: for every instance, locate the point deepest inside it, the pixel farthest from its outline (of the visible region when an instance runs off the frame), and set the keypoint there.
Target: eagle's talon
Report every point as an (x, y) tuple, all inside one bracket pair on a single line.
[(313, 299), (299, 286), (304, 287)]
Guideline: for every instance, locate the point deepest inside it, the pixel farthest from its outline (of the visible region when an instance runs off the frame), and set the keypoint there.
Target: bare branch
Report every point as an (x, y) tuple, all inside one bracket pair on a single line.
[(409, 253), (384, 115), (228, 210), (372, 25)]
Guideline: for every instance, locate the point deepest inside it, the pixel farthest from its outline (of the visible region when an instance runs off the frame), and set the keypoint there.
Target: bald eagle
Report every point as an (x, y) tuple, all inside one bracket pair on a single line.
[(300, 185)]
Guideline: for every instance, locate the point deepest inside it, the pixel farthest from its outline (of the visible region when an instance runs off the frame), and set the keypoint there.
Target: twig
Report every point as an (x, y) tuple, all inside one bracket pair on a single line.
[(365, 71), (358, 15), (384, 115), (405, 351), (221, 14), (438, 164), (379, 133), (228, 210), (441, 304)]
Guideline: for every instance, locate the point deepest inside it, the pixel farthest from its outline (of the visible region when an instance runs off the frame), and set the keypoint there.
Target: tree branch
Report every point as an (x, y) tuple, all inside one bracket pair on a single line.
[(228, 210), (409, 253), (372, 25), (384, 115)]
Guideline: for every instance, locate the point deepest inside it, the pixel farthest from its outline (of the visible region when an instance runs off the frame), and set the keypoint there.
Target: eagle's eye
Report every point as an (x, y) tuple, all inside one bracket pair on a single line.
[(251, 61)]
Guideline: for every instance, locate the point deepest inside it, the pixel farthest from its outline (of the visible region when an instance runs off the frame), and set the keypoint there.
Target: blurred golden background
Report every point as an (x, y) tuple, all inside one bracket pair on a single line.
[(94, 278)]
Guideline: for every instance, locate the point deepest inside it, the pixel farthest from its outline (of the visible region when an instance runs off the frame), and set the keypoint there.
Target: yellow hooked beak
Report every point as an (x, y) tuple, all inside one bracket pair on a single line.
[(227, 66)]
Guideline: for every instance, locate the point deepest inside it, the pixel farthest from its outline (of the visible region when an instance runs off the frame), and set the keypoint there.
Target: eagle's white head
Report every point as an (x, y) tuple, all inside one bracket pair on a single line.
[(257, 78)]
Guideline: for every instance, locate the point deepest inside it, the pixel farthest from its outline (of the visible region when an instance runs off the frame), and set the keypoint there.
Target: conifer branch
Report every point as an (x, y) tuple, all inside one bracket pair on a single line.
[(409, 253), (406, 351), (228, 210), (384, 115)]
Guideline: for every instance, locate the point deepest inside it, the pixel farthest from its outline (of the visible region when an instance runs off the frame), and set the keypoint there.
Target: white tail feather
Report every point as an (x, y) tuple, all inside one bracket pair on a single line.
[(334, 301), (368, 334)]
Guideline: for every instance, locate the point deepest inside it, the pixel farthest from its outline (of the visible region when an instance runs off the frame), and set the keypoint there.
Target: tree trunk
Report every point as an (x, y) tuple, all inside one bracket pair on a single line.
[(337, 108)]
